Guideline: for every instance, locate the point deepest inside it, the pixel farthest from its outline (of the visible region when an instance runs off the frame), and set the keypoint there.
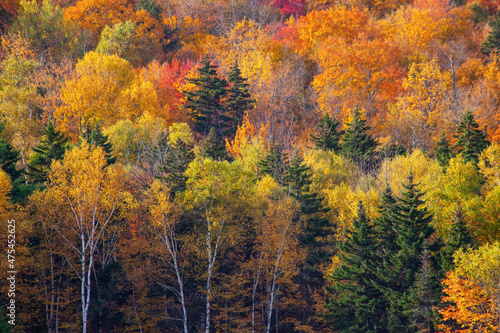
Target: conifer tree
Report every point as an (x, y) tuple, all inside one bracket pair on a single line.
[(176, 163), (52, 148), (239, 99), (274, 164), (471, 141), (357, 144), (492, 42), (412, 224), (327, 137), (424, 296), (459, 238), (96, 138), (9, 157), (443, 151), (206, 104), (316, 232), (358, 305), (214, 146)]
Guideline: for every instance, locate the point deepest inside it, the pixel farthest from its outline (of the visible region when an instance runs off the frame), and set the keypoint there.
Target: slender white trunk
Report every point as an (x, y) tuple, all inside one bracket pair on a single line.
[(254, 291)]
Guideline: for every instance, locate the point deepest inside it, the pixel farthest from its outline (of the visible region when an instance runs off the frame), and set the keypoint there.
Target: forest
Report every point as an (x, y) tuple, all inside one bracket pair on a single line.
[(249, 166)]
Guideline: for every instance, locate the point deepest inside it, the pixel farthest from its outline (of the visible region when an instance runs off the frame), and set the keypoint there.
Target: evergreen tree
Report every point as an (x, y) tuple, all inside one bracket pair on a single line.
[(357, 305), (274, 163), (471, 141), (357, 144), (459, 238), (239, 99), (424, 296), (492, 42), (9, 157), (214, 146), (206, 105), (412, 224), (316, 231), (327, 135), (443, 152), (96, 138), (176, 163), (52, 148)]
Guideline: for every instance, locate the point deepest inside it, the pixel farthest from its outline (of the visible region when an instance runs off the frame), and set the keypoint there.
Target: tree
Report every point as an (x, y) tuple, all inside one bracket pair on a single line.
[(327, 135), (357, 144), (424, 295), (206, 104), (88, 197), (472, 289), (459, 238), (471, 141), (8, 160), (95, 138), (214, 146), (52, 148), (43, 24), (357, 304), (315, 238), (165, 215), (274, 163), (95, 93), (239, 99), (442, 151), (178, 158), (412, 229), (492, 42)]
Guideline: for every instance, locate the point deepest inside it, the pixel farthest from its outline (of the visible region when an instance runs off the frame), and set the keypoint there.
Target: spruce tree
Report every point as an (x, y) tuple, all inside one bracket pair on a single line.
[(206, 104), (357, 305), (214, 146), (492, 42), (9, 157), (274, 163), (52, 148), (357, 144), (95, 138), (176, 164), (413, 228), (239, 100), (443, 152), (471, 141), (458, 238), (315, 234), (424, 296), (327, 137)]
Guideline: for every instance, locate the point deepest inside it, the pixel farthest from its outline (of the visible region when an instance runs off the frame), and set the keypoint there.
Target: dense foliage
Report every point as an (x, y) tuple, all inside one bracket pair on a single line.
[(251, 166)]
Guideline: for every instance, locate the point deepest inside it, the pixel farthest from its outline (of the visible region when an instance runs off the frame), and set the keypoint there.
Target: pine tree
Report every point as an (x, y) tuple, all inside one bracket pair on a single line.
[(239, 99), (327, 135), (443, 152), (274, 163), (492, 42), (214, 146), (176, 163), (357, 144), (357, 305), (205, 105), (471, 141), (96, 138), (52, 148)]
